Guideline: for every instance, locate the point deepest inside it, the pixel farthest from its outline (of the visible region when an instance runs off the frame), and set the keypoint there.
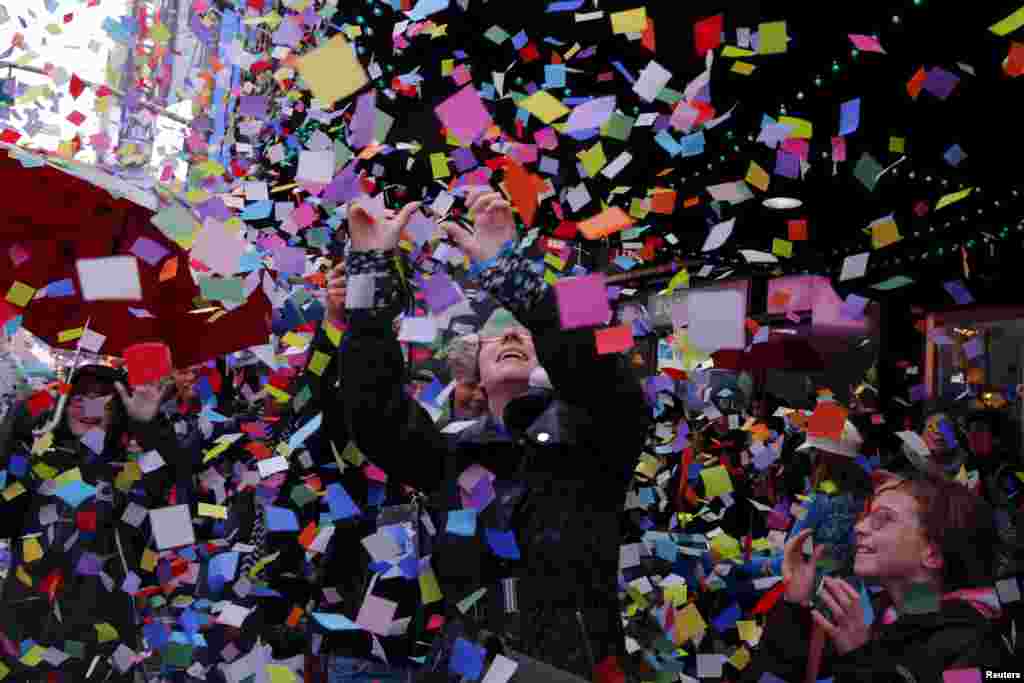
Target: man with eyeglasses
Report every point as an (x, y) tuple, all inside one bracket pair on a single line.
[(529, 494)]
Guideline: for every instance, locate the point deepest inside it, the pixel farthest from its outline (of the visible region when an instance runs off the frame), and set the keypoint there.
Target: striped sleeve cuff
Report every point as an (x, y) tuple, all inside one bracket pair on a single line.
[(513, 279), (373, 281)]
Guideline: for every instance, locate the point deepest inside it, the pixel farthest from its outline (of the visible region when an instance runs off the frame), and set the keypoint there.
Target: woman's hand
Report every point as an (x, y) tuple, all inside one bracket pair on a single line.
[(369, 233), (336, 291), (798, 571), (493, 225), (847, 628), (144, 402)]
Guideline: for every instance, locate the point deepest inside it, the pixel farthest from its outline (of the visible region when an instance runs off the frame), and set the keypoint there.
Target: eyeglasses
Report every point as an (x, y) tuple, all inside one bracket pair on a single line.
[(880, 518), (520, 332)]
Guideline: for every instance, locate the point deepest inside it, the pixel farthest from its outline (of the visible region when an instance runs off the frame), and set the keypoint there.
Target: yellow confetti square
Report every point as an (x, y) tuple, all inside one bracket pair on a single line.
[(774, 39), (148, 561), (740, 659), (733, 52), (758, 177), (439, 165), (716, 481), (593, 159), (215, 511), (70, 335), (554, 261), (105, 632), (782, 248), (30, 549), (429, 588), (33, 656), (629, 21), (743, 68), (332, 71), (295, 340), (897, 145), (333, 333), (318, 363), (544, 106), (801, 128), (20, 294)]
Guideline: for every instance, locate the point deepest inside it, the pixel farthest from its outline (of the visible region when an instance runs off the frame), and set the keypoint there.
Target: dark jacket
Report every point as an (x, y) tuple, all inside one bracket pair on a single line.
[(83, 599), (561, 466), (912, 648)]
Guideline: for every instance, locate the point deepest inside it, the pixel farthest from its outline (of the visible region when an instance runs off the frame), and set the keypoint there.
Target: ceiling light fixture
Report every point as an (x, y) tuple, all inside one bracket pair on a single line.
[(782, 203)]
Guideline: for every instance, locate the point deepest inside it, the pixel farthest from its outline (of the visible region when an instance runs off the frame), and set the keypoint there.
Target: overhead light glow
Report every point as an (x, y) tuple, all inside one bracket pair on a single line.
[(782, 203)]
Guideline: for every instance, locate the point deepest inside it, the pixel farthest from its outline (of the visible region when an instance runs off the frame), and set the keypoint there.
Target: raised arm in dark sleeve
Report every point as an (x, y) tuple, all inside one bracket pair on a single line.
[(385, 423)]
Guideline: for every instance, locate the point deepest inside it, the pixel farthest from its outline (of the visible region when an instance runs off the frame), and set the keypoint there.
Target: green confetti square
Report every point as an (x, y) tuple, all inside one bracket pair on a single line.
[(496, 35), (669, 96), (867, 171), (74, 648), (178, 655), (619, 126), (301, 495)]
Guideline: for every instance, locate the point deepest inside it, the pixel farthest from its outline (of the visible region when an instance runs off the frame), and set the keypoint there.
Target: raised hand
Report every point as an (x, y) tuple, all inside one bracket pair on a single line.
[(336, 290), (381, 233), (493, 225), (846, 627), (144, 402), (798, 571)]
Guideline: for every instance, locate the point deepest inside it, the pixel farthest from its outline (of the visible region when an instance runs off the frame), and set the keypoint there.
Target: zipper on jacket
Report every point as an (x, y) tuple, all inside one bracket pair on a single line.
[(586, 639)]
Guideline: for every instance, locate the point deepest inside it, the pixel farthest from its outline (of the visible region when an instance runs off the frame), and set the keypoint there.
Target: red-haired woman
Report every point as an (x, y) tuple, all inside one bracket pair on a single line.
[(928, 543)]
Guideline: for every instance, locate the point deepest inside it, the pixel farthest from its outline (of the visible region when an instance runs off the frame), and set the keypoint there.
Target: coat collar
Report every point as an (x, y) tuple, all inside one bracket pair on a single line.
[(537, 415)]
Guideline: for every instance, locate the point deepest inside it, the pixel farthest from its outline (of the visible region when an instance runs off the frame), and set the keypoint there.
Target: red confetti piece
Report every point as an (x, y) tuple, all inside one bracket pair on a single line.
[(76, 117), (77, 86)]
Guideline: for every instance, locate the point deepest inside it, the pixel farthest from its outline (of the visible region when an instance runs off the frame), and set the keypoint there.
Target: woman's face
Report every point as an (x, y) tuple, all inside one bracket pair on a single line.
[(90, 409), (468, 400), (890, 539), (185, 382), (510, 357)]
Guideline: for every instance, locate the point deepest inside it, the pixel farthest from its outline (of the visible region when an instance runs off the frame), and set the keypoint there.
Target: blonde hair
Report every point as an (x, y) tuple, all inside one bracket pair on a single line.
[(463, 358)]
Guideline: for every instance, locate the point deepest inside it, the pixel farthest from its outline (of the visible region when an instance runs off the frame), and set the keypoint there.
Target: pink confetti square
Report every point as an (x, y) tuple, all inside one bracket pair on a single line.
[(76, 117), (866, 43), (376, 615), (582, 301), (961, 676), (304, 216), (465, 115)]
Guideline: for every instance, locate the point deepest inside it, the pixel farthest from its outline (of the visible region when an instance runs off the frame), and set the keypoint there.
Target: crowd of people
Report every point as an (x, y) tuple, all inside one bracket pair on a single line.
[(548, 517)]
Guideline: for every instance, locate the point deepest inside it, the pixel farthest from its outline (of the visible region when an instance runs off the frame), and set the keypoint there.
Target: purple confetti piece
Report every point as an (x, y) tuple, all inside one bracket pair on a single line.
[(940, 82)]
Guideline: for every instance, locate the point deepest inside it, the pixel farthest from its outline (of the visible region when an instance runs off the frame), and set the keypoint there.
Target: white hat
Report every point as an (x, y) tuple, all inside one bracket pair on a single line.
[(848, 444)]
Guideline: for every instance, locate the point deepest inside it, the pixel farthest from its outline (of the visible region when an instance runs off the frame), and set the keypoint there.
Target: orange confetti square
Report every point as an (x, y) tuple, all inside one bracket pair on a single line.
[(780, 298), (663, 202), (692, 201), (169, 269), (607, 222)]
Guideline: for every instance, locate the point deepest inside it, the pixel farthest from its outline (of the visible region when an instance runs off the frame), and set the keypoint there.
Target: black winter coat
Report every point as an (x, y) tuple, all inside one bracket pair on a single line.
[(83, 598), (561, 466), (914, 648)]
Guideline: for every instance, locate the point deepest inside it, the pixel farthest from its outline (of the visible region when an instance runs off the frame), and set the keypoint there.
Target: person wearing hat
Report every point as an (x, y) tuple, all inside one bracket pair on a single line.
[(543, 473), (66, 491)]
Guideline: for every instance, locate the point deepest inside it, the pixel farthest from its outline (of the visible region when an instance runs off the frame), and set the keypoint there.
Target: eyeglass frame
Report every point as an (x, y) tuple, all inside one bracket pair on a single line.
[(520, 331)]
